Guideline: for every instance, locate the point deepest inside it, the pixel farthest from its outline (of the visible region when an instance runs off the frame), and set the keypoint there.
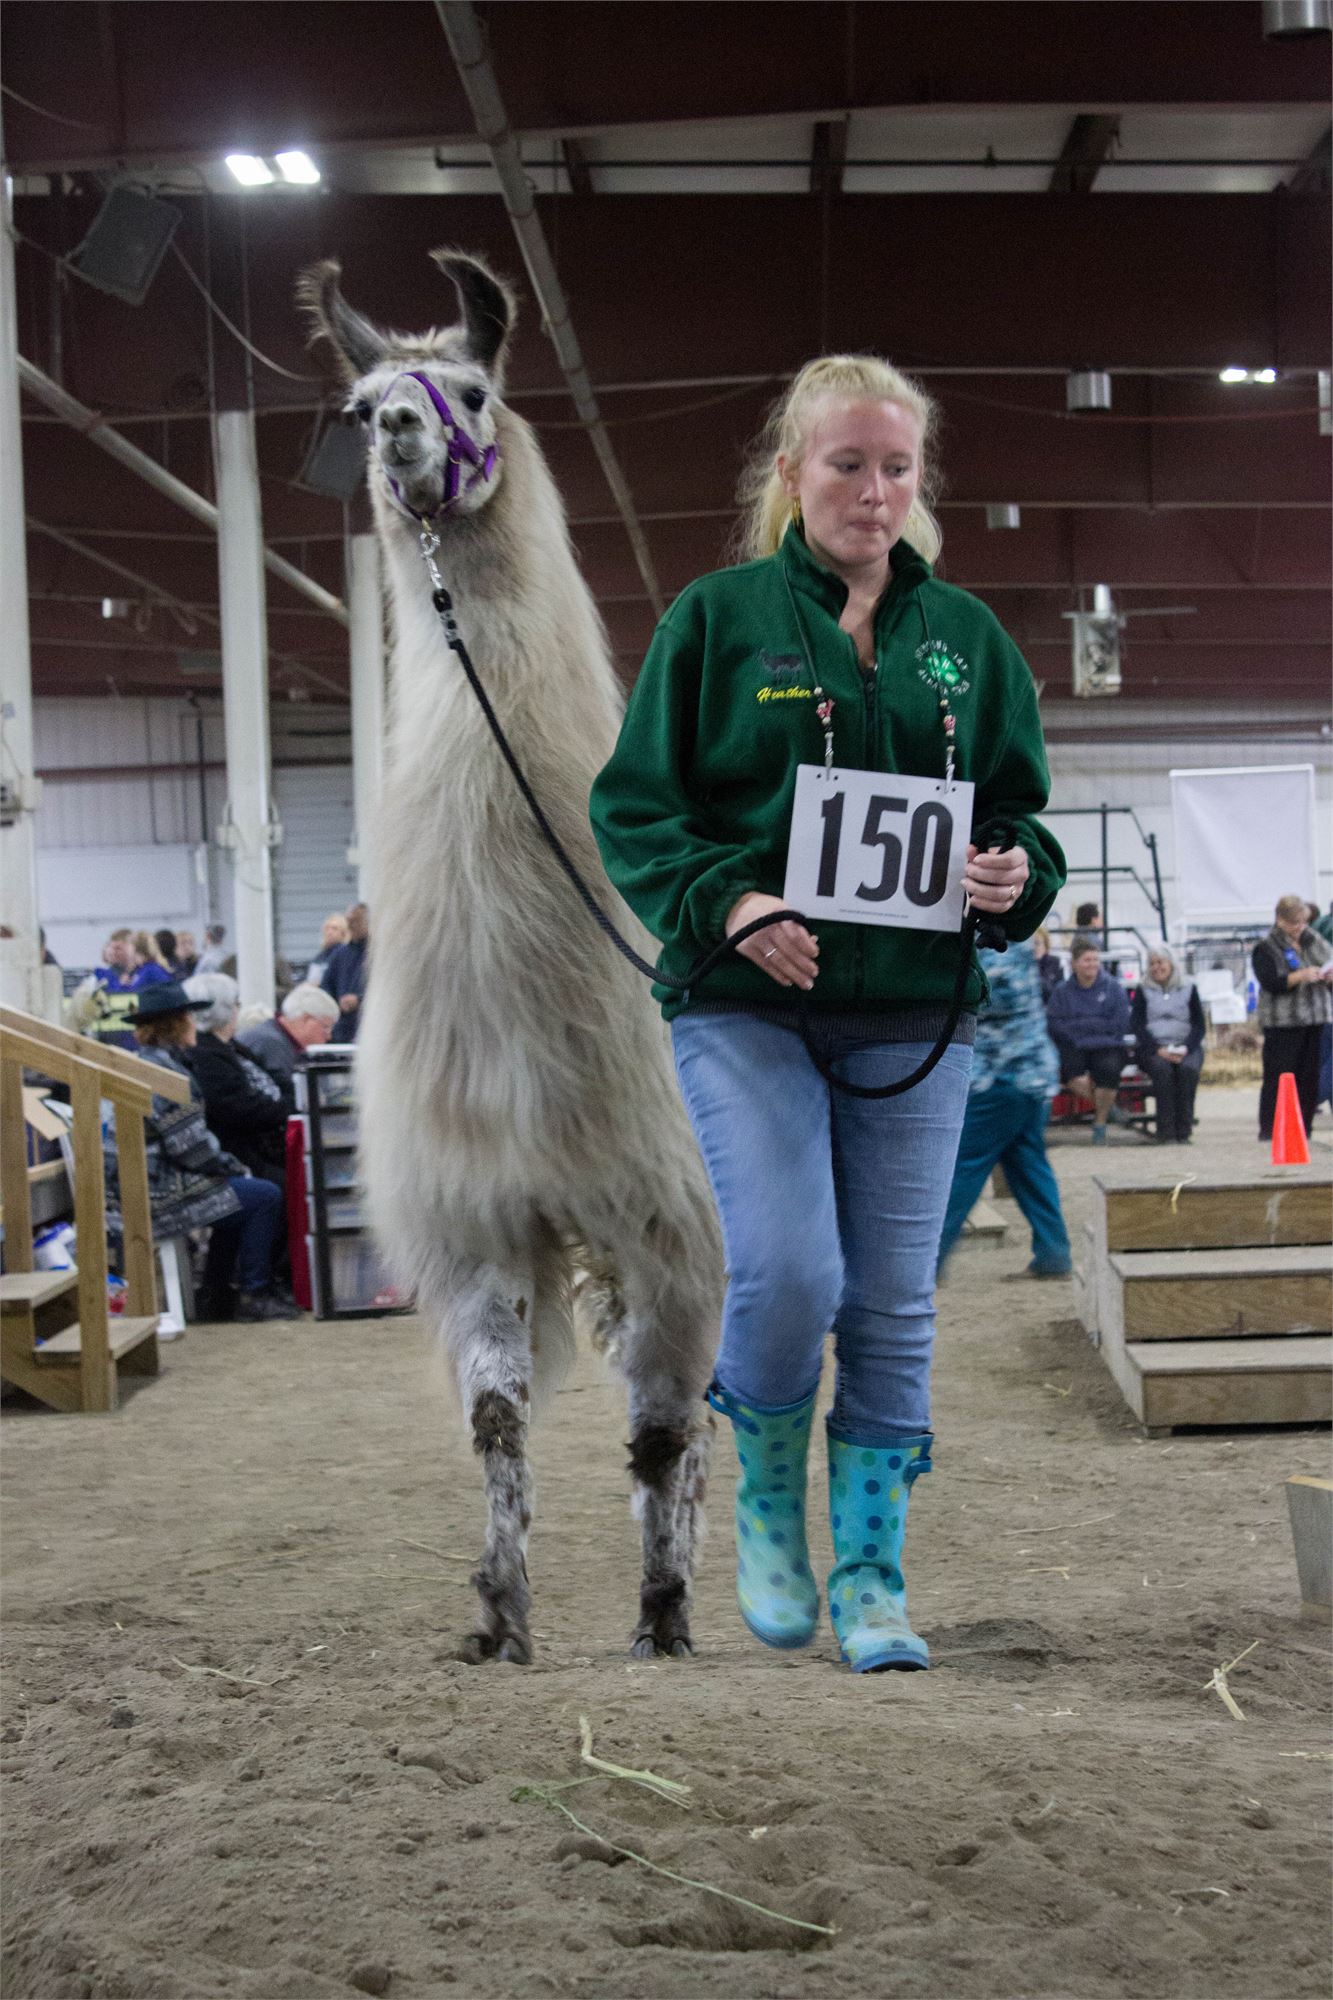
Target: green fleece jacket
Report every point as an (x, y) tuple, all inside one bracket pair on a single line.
[(694, 808)]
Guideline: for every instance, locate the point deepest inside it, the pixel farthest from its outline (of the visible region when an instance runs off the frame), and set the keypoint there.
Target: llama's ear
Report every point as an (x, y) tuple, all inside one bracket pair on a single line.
[(357, 344), (487, 302)]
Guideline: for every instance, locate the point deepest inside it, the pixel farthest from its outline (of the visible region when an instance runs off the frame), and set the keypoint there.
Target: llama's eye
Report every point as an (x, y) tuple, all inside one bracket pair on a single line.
[(474, 398), (362, 411)]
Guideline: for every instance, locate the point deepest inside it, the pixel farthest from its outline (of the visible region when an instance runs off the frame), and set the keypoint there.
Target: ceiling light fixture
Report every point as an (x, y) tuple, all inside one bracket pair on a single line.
[(1266, 375), (1234, 375), (1290, 20), (298, 169), (250, 170), (1003, 516)]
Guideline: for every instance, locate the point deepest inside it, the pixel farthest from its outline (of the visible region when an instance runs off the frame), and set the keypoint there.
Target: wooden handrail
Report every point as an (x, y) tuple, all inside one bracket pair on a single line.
[(45, 1045)]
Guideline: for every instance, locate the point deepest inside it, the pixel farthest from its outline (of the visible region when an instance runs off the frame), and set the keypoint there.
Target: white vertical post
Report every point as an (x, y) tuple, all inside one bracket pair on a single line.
[(247, 831), (365, 608), (20, 955)]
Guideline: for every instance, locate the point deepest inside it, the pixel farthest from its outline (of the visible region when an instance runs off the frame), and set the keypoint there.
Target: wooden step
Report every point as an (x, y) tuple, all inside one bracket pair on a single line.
[(1174, 1295), (24, 1291), (1262, 1210), (1223, 1382), (985, 1224), (125, 1334)]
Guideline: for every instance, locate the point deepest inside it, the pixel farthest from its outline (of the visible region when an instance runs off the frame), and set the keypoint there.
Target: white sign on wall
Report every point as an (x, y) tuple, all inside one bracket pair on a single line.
[(1244, 837)]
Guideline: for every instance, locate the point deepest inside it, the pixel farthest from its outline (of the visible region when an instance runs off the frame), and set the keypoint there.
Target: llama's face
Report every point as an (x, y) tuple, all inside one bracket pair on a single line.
[(428, 405), (430, 454)]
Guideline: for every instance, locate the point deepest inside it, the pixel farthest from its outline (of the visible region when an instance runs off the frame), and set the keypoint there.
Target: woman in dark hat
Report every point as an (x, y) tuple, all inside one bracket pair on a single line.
[(193, 1183)]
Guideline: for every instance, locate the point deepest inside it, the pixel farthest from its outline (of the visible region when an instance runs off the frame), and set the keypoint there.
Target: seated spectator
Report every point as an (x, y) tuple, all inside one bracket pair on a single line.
[(1049, 969), (1088, 1016), (1168, 1024), (123, 972), (193, 1183), (168, 947), (1088, 917), (345, 973), (244, 1106), (214, 951), (333, 932), (305, 1020), (187, 955), (148, 957)]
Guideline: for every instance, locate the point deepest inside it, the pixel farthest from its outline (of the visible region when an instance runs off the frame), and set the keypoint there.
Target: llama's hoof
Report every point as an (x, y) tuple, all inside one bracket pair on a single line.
[(645, 1646), (513, 1647)]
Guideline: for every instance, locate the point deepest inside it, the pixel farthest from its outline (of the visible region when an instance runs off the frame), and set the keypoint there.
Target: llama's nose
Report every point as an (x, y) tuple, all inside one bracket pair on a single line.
[(399, 419)]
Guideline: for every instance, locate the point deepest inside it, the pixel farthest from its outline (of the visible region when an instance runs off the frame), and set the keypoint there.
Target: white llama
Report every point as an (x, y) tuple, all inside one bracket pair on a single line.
[(520, 1120)]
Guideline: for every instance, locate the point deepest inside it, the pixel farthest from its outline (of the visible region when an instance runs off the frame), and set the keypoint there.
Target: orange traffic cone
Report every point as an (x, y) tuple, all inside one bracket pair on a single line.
[(1290, 1146)]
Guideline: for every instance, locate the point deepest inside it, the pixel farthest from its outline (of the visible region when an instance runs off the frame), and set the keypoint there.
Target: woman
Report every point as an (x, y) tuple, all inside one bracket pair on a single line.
[(1167, 1022), (1292, 966), (1014, 1078), (246, 1107), (1049, 969), (1088, 1016), (835, 640), (192, 1182)]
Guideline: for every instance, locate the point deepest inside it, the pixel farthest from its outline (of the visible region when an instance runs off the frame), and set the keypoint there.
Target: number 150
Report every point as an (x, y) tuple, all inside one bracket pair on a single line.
[(922, 884)]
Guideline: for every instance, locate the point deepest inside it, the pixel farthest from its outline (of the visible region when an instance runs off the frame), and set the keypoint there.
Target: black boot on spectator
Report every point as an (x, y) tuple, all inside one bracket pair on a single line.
[(215, 1308), (251, 1306)]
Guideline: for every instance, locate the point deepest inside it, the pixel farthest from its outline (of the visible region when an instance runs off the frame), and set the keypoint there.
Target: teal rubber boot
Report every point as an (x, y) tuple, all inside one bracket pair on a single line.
[(775, 1585), (869, 1487)]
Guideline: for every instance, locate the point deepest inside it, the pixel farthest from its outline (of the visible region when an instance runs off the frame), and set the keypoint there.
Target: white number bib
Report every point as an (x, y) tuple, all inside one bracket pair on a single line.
[(874, 847)]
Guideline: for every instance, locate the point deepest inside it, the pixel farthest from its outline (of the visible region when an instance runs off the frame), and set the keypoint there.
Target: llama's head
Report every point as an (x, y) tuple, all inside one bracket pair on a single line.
[(427, 401)]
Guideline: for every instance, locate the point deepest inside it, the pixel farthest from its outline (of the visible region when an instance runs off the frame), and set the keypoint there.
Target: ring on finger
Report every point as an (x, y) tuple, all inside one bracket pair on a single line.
[(772, 952)]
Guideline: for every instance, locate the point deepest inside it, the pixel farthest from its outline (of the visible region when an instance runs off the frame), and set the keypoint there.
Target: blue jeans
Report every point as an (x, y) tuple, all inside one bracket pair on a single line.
[(1005, 1127), (830, 1208), (241, 1247)]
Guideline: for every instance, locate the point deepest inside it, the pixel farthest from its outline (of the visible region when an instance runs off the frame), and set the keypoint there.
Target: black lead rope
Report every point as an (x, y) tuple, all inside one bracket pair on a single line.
[(973, 929)]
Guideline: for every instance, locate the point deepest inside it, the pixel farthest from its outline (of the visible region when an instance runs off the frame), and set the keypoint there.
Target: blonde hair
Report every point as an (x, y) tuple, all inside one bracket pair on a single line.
[(147, 948), (1291, 906), (864, 378)]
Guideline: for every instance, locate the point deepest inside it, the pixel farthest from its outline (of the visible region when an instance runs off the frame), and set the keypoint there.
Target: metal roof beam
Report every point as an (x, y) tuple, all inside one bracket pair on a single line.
[(463, 32), (828, 156), (1087, 144), (80, 418)]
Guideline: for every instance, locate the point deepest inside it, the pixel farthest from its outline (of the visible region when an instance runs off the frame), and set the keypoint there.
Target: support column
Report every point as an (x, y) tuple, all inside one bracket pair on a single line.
[(248, 828), (20, 954), (365, 605)]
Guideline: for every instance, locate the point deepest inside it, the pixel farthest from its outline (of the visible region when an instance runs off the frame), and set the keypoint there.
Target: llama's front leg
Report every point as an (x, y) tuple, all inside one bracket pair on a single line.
[(487, 1329), (668, 1457)]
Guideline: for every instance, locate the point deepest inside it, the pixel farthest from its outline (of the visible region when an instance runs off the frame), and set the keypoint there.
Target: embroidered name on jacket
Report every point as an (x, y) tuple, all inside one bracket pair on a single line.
[(785, 694)]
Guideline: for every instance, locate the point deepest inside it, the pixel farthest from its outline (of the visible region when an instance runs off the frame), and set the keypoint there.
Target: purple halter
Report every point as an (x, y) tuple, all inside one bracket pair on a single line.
[(461, 451)]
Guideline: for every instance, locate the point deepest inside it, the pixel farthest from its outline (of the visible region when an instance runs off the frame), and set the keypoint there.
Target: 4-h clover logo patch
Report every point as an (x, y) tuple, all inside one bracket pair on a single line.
[(940, 667)]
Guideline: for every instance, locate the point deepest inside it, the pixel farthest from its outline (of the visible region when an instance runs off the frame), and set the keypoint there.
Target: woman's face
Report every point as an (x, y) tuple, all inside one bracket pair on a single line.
[(1159, 968), (857, 480), (1086, 967), (1292, 926)]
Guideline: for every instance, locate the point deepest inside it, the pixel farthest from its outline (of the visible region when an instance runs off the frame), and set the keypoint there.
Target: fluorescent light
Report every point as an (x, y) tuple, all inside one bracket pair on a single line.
[(298, 168), (1263, 375), (249, 170), (1234, 375)]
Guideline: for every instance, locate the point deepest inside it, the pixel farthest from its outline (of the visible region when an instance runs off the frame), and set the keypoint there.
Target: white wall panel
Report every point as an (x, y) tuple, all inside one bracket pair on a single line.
[(312, 873)]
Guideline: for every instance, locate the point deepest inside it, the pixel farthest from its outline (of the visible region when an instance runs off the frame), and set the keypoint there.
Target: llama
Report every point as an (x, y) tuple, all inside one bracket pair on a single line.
[(522, 1136)]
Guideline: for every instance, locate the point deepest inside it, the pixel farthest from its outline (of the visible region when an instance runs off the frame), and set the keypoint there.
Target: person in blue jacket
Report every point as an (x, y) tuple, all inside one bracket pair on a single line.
[(1014, 1077), (1088, 1016)]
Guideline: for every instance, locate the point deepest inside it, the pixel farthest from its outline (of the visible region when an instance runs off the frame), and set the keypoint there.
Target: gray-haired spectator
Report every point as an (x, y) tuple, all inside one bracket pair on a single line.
[(245, 1106), (304, 1021)]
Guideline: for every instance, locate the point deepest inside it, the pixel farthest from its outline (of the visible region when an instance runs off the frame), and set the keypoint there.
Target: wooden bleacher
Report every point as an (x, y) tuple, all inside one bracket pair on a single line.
[(57, 1338)]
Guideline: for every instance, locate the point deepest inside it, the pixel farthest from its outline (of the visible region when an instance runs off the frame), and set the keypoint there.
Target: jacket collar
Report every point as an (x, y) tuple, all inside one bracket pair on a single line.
[(908, 569)]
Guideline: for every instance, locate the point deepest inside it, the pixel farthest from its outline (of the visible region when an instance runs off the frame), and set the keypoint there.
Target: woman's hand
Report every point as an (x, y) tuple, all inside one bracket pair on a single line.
[(994, 882), (788, 952)]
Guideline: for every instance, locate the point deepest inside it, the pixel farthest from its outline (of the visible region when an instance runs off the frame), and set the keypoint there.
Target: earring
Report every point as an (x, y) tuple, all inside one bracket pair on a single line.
[(796, 513)]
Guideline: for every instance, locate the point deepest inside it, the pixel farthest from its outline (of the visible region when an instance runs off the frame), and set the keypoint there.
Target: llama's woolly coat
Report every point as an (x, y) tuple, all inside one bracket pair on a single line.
[(513, 1071)]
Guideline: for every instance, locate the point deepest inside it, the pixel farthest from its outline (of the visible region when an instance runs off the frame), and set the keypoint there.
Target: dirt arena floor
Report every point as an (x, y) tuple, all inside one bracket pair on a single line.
[(241, 1761)]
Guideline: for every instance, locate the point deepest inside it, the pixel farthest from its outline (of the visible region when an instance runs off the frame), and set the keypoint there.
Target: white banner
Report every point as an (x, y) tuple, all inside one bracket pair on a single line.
[(1244, 837)]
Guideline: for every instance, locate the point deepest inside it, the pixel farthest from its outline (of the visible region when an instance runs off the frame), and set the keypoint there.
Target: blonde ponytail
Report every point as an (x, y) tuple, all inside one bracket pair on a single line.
[(763, 497)]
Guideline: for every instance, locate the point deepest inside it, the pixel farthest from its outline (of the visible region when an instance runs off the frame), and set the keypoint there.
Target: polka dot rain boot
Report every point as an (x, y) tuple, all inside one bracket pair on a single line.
[(868, 1492), (775, 1585)]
